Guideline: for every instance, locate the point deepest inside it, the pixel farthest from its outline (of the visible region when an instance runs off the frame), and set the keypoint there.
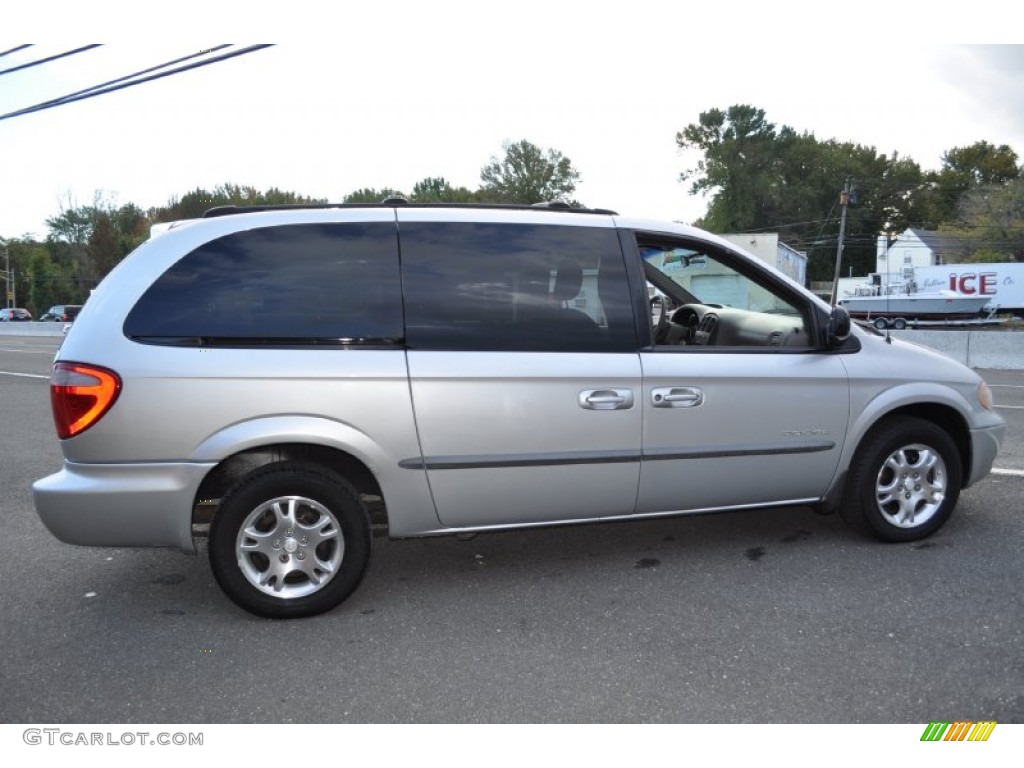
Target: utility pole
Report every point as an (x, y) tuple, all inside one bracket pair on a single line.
[(844, 201), (8, 282)]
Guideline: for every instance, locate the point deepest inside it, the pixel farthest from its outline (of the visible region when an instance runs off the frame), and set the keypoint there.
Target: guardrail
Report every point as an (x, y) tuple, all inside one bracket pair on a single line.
[(975, 349), (31, 329)]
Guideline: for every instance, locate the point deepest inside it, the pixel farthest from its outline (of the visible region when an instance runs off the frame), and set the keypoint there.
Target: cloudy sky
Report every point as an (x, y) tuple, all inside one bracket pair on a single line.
[(375, 98)]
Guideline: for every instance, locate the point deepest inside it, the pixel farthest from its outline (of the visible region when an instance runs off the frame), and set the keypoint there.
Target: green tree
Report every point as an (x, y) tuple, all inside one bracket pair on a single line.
[(46, 285), (132, 227), (38, 283), (437, 189), (991, 219), (965, 169), (192, 205), (104, 245), (72, 225), (760, 177), (981, 164), (739, 166), (986, 256), (528, 174), (67, 243)]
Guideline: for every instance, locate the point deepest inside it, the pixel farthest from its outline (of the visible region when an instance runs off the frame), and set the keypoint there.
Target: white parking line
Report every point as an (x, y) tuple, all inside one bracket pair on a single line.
[(1009, 472), (1011, 407), (1008, 386), (27, 351), (26, 375)]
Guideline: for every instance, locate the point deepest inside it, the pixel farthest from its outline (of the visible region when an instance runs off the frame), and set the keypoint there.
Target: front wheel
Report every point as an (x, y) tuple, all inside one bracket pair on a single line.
[(290, 540), (904, 481)]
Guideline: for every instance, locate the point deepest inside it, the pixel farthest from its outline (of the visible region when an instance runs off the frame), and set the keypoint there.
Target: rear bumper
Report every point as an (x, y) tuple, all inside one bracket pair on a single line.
[(121, 505), (984, 447)]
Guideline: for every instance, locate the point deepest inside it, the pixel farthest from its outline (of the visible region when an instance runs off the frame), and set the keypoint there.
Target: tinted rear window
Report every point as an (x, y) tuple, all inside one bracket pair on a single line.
[(296, 283)]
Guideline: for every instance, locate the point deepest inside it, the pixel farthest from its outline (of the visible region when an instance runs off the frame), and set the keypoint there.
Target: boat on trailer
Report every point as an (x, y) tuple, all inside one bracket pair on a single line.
[(901, 303)]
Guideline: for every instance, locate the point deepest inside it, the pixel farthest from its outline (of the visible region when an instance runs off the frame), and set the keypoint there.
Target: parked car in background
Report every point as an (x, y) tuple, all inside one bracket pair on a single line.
[(15, 315), (61, 313)]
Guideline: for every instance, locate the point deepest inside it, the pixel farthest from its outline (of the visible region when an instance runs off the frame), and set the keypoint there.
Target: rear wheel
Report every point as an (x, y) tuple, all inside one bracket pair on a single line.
[(290, 540), (904, 481), (899, 323)]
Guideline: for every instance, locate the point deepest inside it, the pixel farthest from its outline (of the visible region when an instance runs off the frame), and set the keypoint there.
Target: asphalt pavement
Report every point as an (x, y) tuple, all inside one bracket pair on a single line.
[(762, 616)]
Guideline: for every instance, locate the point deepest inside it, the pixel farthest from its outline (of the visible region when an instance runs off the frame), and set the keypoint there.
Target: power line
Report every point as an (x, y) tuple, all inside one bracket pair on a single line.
[(14, 49), (786, 224), (98, 91), (49, 58), (55, 102)]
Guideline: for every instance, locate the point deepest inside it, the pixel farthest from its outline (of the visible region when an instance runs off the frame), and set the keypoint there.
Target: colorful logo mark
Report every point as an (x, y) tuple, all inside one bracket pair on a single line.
[(961, 730)]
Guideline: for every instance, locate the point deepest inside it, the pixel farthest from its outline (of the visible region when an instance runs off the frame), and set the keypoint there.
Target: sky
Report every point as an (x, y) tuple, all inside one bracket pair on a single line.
[(386, 96)]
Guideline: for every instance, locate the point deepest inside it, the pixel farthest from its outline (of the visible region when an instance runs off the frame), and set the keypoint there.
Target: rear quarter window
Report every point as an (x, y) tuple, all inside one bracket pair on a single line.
[(336, 283)]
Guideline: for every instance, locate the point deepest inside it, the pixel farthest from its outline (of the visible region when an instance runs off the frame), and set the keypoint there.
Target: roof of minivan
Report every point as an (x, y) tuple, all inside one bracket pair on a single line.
[(555, 205)]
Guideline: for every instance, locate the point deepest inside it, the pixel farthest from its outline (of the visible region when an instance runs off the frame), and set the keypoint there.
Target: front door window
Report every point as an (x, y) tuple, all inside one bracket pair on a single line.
[(699, 298)]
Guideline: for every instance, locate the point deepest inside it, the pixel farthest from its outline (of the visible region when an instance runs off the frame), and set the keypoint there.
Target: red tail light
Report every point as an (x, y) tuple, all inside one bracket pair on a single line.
[(80, 395)]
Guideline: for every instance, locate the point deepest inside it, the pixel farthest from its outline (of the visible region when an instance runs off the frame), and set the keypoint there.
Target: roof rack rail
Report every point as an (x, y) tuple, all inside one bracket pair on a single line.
[(559, 206)]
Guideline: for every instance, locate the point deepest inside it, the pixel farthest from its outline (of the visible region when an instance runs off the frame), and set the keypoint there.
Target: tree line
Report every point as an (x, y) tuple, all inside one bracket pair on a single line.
[(760, 177), (84, 242), (756, 177)]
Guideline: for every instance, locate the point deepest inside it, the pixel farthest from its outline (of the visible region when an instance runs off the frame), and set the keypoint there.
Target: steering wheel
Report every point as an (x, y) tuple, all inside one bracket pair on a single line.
[(687, 318)]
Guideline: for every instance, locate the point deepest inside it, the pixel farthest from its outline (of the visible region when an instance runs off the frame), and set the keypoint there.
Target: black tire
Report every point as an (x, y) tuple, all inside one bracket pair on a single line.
[(899, 324), (880, 323), (309, 541), (894, 505)]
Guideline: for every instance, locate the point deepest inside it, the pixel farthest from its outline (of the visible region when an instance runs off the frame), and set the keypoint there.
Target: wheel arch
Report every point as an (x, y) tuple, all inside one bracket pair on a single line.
[(946, 417), (940, 412), (232, 469)]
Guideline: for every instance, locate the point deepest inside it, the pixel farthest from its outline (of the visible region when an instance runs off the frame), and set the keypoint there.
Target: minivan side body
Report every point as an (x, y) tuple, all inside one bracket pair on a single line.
[(433, 370)]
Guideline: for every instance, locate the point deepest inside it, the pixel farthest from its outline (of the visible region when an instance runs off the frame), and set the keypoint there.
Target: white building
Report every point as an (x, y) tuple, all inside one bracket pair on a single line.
[(916, 249), (767, 248)]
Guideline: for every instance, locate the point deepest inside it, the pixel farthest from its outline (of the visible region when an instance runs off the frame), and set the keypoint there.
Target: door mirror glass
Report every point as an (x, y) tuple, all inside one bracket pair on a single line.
[(838, 326)]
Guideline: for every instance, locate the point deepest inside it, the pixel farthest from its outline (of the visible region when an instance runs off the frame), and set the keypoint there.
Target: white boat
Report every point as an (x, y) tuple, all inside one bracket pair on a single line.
[(904, 301)]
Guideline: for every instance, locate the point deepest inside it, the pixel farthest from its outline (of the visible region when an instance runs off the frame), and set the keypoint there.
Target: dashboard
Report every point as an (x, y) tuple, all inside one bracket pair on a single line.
[(718, 325)]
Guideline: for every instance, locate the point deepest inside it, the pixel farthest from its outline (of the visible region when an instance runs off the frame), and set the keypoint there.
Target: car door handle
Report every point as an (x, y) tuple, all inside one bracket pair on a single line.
[(606, 399), (677, 397)]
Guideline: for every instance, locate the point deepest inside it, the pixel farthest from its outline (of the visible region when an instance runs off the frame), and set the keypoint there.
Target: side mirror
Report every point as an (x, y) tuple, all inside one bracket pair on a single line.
[(838, 329)]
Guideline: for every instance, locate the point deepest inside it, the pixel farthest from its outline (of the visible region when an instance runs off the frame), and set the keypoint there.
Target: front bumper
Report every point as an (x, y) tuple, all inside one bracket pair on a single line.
[(985, 444), (121, 505)]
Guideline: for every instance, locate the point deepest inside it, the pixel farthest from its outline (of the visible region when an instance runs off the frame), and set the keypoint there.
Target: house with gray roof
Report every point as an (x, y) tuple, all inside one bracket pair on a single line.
[(918, 248)]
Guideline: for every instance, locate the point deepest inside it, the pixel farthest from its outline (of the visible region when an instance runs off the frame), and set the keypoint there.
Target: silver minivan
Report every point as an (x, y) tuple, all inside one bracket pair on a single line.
[(290, 380)]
